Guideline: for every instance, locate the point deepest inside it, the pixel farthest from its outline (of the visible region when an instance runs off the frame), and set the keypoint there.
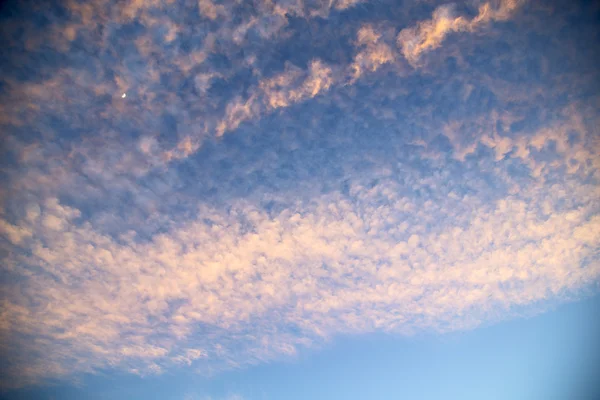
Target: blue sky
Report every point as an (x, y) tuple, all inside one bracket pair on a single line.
[(254, 199)]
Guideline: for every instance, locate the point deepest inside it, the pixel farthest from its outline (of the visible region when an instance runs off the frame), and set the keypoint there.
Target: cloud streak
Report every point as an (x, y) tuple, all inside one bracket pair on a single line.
[(429, 34)]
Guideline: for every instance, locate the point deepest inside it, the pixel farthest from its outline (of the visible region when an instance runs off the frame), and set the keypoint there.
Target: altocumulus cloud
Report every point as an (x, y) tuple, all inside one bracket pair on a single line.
[(283, 172)]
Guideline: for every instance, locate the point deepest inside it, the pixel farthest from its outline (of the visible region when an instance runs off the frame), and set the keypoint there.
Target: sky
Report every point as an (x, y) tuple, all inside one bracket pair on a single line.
[(261, 199)]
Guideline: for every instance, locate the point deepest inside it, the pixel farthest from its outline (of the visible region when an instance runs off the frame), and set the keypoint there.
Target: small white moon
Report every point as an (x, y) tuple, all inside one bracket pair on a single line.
[(124, 95)]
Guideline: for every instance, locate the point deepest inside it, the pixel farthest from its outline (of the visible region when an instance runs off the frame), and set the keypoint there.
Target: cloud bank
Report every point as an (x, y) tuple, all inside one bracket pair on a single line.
[(284, 172)]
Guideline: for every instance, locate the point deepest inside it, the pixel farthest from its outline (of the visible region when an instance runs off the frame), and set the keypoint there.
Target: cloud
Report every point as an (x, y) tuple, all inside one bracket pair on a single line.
[(568, 139), (156, 63), (237, 112), (282, 90), (372, 54), (209, 10), (136, 235), (429, 34), (140, 66), (338, 264)]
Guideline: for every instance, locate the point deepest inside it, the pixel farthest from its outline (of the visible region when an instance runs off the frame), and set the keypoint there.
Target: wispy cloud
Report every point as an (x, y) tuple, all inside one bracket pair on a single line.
[(429, 34)]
